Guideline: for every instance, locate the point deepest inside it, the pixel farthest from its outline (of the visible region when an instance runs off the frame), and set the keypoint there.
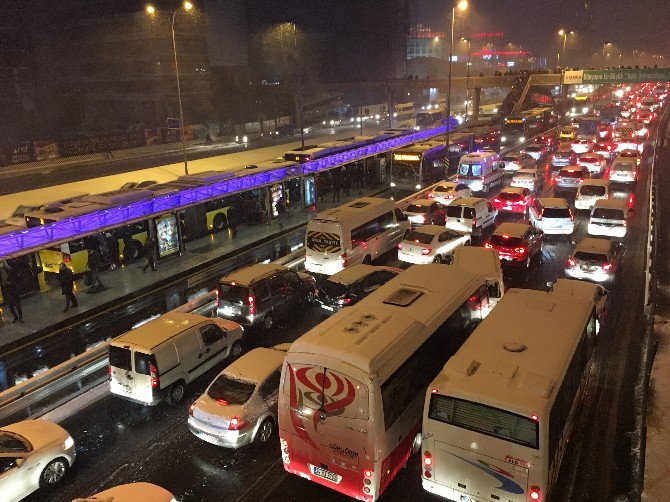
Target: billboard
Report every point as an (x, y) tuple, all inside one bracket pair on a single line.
[(618, 76)]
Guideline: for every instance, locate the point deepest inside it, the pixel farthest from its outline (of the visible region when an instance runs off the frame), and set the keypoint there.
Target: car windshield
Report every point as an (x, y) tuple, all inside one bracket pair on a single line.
[(591, 257), (556, 212), (10, 443), (506, 241), (608, 213), (333, 289), (623, 166), (233, 293), (592, 190), (628, 154), (511, 158), (230, 390), (509, 196), (417, 208), (420, 238)]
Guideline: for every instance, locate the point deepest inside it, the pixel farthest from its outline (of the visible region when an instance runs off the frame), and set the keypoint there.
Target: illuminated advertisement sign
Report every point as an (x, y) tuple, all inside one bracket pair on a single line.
[(487, 34), (514, 121), (402, 156), (167, 235)]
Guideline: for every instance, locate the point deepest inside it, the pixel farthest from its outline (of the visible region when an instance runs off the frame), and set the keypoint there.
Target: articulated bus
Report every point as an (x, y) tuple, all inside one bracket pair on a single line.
[(418, 165), (498, 417), (429, 119), (404, 117), (518, 127), (352, 389)]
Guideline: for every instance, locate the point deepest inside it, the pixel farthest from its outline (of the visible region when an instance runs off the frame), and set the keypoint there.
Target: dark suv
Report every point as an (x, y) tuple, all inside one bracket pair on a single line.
[(263, 293)]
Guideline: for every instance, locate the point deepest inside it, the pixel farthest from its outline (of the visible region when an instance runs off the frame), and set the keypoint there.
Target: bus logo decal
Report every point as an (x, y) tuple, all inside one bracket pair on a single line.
[(501, 475)]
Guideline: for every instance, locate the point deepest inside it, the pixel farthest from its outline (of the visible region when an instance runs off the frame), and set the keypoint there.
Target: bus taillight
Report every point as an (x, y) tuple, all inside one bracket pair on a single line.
[(66, 258), (534, 492)]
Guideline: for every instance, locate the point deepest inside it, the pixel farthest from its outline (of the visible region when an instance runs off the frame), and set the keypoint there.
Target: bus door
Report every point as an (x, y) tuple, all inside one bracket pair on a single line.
[(328, 412), (194, 222)]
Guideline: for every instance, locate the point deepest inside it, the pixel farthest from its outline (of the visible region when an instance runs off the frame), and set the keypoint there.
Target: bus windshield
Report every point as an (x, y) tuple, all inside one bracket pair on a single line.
[(512, 128), (407, 169), (485, 419)]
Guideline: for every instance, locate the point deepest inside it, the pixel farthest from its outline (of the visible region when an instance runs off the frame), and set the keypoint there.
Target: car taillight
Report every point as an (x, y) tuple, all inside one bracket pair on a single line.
[(153, 373), (534, 492), (497, 200), (400, 245), (109, 370), (66, 258), (488, 245), (520, 250), (236, 424), (572, 217), (344, 301), (218, 300), (190, 409), (474, 222), (607, 266), (426, 251), (343, 260)]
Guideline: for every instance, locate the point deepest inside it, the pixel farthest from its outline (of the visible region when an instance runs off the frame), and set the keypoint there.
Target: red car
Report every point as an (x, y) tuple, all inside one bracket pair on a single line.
[(517, 242), (513, 199)]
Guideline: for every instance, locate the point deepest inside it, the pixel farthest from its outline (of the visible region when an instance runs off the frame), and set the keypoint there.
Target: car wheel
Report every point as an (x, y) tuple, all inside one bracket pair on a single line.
[(53, 472), (236, 350), (437, 259), (367, 260), (219, 222), (176, 393), (265, 431), (268, 321)]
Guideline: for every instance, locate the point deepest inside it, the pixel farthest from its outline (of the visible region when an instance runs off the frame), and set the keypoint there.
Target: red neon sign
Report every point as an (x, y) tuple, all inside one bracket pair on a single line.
[(486, 34), (501, 53)]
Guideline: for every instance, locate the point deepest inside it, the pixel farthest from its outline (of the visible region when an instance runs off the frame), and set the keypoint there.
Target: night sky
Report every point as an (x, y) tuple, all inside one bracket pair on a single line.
[(642, 25)]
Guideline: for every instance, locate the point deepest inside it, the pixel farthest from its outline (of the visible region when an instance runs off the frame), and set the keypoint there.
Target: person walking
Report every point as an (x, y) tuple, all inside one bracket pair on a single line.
[(149, 253), (336, 187), (11, 291), (66, 281), (94, 261), (281, 210)]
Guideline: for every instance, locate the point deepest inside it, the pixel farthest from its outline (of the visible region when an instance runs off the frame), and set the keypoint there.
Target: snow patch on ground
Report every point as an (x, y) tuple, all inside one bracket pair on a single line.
[(657, 458)]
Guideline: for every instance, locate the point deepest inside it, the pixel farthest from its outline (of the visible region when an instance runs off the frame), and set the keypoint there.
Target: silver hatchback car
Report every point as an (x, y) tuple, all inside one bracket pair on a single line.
[(240, 406)]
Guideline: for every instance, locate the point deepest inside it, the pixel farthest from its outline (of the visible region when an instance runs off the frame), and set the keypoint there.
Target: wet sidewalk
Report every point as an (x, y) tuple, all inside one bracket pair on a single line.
[(45, 309)]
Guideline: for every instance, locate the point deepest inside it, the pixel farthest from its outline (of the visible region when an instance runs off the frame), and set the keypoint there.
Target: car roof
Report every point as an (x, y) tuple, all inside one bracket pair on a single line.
[(596, 181), (446, 184), (573, 167), (466, 201), (247, 275), (256, 365), (526, 171), (629, 151), (430, 229), (512, 229), (553, 202), (612, 203), (422, 202), (153, 333), (352, 274), (513, 189), (594, 245)]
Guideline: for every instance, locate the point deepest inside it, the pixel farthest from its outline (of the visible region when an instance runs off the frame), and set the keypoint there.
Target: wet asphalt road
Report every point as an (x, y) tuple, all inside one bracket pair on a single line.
[(120, 442)]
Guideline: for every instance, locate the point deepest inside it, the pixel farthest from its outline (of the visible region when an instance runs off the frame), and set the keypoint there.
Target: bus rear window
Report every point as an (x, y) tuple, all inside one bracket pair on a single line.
[(485, 419), (119, 357)]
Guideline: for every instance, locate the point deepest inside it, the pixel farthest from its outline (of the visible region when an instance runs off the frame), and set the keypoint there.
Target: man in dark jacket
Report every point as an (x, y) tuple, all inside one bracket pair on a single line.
[(149, 253), (94, 263), (11, 291), (66, 280)]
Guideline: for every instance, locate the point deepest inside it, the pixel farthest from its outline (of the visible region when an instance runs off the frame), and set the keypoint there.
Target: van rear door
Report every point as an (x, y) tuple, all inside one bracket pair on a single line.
[(122, 379)]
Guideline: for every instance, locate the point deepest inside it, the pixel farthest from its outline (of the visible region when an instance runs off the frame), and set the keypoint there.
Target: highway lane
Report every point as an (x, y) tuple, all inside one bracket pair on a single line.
[(121, 442)]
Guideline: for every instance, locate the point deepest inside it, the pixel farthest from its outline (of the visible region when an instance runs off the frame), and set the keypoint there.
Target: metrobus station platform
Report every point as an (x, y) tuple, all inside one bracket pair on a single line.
[(49, 336)]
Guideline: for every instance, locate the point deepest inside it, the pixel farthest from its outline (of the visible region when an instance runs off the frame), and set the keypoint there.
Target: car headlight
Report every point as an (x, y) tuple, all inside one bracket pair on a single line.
[(522, 139), (68, 443), (503, 138)]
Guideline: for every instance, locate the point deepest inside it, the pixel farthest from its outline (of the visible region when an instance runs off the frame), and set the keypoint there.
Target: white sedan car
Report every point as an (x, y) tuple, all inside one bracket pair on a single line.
[(431, 244), (33, 454), (240, 405), (446, 192), (527, 178), (132, 492)]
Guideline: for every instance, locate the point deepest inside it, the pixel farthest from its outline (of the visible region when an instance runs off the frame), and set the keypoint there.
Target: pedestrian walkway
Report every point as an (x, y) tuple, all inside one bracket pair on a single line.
[(45, 309)]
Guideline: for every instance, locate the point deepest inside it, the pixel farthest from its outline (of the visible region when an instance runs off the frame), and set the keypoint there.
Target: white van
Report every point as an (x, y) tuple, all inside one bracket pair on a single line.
[(623, 170), (608, 217), (590, 191), (552, 215), (470, 214), (357, 232), (485, 262), (481, 170), (156, 360)]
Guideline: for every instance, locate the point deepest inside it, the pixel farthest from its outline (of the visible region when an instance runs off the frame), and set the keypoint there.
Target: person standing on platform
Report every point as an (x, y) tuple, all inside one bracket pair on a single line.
[(94, 262), (149, 253), (66, 281), (11, 290)]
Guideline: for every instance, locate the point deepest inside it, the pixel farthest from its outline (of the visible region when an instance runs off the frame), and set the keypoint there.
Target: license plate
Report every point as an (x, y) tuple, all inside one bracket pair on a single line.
[(328, 307), (323, 473)]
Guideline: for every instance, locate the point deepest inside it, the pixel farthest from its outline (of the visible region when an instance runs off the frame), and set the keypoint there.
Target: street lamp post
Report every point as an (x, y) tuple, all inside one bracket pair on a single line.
[(186, 7), (467, 79), (298, 78), (564, 34), (461, 5), (603, 56)]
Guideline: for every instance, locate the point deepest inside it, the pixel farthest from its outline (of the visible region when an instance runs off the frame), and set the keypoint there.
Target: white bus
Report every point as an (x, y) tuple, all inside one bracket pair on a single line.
[(356, 232), (352, 389), (498, 417)]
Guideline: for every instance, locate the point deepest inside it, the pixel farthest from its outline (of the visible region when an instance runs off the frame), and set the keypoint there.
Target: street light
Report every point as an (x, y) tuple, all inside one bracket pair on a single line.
[(467, 78), (603, 56), (185, 7), (564, 34), (462, 5)]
